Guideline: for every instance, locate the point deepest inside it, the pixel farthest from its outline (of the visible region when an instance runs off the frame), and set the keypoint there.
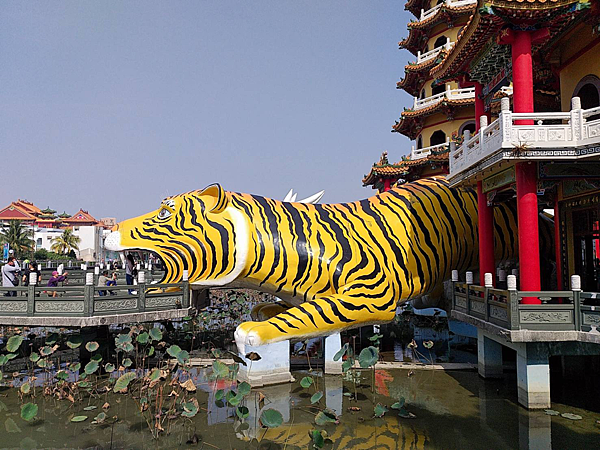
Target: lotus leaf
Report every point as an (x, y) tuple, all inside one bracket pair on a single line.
[(92, 346), (156, 334), (124, 381), (79, 418), (306, 382), (316, 397), (368, 357), (29, 411), (14, 342), (271, 418), (91, 367), (74, 341)]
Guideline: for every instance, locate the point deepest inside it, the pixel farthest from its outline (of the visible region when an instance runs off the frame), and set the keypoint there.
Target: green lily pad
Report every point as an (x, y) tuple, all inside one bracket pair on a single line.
[(74, 341), (220, 370), (142, 338), (183, 357), (100, 418), (271, 418), (244, 388), (122, 339), (109, 368), (75, 366), (127, 347), (46, 350), (324, 417), (151, 351), (571, 416), (14, 342), (551, 412), (306, 382), (79, 418), (156, 334), (124, 381), (34, 357), (219, 394), (368, 357), (341, 352), (127, 362), (91, 367), (190, 409), (154, 374), (92, 346), (379, 410), (43, 363), (174, 350), (316, 397), (25, 388), (317, 438), (52, 339), (242, 412), (62, 375), (3, 360), (399, 404), (90, 408), (29, 411)]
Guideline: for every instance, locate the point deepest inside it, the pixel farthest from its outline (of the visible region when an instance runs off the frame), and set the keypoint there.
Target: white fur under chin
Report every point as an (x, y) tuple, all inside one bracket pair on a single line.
[(241, 246)]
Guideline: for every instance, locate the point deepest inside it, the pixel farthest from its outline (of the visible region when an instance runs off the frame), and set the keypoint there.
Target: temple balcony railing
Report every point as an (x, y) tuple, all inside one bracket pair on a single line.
[(424, 57), (433, 11), (544, 135), (418, 153), (505, 311), (448, 94)]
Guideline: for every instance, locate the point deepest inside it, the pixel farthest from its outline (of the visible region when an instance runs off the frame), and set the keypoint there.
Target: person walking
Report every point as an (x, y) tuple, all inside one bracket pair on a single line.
[(32, 267), (130, 271), (10, 275)]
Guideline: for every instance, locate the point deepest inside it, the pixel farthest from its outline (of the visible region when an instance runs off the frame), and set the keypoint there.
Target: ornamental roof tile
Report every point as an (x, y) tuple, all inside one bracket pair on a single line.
[(434, 107), (444, 12)]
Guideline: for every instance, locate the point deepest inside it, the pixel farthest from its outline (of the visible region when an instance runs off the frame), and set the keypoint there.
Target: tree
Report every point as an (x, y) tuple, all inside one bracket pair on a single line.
[(18, 237), (65, 242)]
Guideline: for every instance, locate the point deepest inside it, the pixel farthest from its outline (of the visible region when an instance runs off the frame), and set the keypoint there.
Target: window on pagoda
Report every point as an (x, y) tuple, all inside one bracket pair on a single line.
[(439, 42), (588, 90), (439, 89), (422, 96), (469, 125), (437, 138), (419, 142)]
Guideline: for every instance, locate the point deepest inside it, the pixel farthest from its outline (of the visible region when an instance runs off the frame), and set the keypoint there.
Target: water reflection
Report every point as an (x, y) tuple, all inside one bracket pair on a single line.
[(454, 410)]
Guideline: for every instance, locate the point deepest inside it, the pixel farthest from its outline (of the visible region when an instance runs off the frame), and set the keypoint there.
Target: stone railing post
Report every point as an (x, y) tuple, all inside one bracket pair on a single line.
[(88, 295), (96, 274), (33, 279), (513, 302), (576, 288), (489, 284), (577, 132), (469, 282), (505, 121), (185, 301), (454, 281), (141, 291)]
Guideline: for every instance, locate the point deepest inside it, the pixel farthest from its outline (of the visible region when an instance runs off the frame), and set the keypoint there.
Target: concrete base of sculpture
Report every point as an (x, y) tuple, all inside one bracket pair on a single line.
[(333, 344), (273, 367)]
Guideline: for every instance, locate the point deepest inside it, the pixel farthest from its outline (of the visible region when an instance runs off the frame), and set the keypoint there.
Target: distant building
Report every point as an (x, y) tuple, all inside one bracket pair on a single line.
[(108, 222)]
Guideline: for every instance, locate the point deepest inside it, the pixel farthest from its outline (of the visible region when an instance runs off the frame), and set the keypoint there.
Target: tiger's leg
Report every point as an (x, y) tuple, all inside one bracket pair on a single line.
[(318, 317)]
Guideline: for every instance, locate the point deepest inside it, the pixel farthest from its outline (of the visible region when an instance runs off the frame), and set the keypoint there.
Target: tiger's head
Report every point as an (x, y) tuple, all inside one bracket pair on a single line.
[(199, 232)]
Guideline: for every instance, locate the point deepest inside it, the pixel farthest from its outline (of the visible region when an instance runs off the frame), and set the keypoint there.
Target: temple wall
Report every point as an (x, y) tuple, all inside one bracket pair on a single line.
[(586, 61), (440, 122)]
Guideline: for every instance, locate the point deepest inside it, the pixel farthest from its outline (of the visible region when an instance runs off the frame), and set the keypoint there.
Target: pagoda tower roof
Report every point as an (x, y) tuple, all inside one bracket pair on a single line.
[(411, 121), (417, 73), (419, 30)]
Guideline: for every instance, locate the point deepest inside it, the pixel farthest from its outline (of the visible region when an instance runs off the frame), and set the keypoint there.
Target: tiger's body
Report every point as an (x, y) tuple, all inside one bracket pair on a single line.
[(337, 265)]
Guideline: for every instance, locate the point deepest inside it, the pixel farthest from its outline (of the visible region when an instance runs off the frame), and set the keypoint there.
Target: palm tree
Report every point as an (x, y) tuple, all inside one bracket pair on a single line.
[(65, 242), (18, 237)]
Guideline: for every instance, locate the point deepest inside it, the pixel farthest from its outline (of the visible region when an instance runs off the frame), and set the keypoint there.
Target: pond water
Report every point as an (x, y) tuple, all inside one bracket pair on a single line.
[(454, 410)]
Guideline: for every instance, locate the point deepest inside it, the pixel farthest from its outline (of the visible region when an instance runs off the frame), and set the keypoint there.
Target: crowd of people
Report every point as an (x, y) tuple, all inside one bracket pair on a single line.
[(14, 274)]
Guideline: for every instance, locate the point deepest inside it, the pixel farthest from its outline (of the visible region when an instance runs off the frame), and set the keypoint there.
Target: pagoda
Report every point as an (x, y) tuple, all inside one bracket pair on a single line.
[(441, 109)]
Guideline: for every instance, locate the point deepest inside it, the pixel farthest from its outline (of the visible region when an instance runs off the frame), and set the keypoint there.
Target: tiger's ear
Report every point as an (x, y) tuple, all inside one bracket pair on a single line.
[(215, 198)]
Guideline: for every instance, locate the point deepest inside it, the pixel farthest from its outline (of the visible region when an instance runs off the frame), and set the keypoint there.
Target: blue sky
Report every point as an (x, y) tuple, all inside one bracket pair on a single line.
[(112, 105)]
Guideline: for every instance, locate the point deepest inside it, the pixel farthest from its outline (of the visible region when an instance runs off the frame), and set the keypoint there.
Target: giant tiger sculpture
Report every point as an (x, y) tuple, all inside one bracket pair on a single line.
[(336, 266)]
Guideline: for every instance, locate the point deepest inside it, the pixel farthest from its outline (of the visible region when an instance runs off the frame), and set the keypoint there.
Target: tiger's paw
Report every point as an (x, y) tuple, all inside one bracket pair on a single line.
[(253, 334)]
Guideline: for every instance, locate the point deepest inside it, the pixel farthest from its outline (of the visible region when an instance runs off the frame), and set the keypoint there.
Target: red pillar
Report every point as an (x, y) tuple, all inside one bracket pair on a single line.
[(485, 214), (386, 184), (529, 246), (522, 74), (559, 280)]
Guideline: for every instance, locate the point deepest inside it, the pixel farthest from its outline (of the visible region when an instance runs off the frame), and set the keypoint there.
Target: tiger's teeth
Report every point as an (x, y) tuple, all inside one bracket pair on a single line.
[(113, 241)]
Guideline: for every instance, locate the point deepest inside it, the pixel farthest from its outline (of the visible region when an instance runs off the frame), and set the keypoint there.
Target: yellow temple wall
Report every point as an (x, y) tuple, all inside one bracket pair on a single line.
[(443, 30), (585, 61), (439, 121)]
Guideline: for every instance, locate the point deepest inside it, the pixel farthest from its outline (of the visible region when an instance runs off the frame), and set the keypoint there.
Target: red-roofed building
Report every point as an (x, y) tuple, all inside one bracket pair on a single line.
[(81, 218)]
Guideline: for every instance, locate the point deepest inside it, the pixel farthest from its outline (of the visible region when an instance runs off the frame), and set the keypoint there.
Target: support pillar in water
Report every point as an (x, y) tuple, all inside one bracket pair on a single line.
[(273, 367)]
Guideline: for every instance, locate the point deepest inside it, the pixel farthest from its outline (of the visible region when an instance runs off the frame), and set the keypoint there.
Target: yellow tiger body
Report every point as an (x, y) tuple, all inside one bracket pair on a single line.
[(337, 265)]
